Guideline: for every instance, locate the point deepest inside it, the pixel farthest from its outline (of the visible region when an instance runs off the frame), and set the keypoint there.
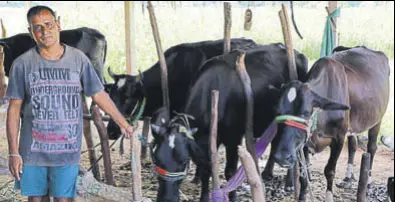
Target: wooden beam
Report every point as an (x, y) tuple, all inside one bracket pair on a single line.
[(130, 24), (213, 140), (332, 6)]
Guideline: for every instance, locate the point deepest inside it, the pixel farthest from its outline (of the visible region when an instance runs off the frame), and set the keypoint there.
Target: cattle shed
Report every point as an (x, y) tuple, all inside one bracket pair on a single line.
[(124, 24)]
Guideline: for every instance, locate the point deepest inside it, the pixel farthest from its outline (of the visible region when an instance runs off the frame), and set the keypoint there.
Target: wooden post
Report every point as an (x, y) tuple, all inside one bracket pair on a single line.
[(213, 139), (363, 177), (252, 175), (146, 127), (3, 30), (101, 129), (130, 32), (135, 163), (227, 26), (288, 42), (249, 123), (89, 143), (332, 6), (2, 73), (162, 61)]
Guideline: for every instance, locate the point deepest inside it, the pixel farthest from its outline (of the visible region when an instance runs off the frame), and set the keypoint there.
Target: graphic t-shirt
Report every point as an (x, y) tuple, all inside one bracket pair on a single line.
[(51, 128)]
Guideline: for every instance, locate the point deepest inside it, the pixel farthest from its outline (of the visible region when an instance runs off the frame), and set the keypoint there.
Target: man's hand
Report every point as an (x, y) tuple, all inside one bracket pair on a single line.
[(128, 131), (15, 165)]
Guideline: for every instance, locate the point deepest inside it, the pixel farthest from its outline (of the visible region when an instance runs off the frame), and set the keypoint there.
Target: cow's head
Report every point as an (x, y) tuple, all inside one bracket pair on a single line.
[(126, 92), (172, 149), (297, 113)]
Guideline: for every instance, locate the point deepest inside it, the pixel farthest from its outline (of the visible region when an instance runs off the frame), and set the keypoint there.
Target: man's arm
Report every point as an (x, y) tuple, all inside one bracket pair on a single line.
[(105, 103), (13, 117)]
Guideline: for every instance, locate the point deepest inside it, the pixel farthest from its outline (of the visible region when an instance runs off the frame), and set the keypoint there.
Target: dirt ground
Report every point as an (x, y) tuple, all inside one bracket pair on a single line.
[(383, 168)]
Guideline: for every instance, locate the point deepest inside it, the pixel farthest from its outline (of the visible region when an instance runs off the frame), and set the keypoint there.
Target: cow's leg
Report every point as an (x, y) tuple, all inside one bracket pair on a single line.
[(372, 147), (349, 178), (206, 173), (231, 167), (196, 179), (267, 174), (290, 180), (330, 168)]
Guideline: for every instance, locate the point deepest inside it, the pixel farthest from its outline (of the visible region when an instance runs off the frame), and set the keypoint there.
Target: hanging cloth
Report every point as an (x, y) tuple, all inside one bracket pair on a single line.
[(328, 39)]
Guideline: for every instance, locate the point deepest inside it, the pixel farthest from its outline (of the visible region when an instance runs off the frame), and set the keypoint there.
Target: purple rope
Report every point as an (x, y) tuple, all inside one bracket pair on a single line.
[(221, 195)]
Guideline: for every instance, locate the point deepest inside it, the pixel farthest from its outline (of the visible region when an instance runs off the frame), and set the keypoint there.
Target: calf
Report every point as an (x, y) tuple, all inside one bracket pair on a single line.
[(352, 87)]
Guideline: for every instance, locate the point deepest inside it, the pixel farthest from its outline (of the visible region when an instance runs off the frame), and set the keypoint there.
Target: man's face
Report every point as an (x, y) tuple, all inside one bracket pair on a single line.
[(44, 29)]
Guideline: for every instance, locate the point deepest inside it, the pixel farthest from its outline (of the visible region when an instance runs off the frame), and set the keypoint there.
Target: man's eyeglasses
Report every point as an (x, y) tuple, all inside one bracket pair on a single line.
[(40, 28)]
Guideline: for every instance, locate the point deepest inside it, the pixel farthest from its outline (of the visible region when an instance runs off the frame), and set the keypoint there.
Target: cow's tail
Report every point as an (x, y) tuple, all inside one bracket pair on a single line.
[(293, 20)]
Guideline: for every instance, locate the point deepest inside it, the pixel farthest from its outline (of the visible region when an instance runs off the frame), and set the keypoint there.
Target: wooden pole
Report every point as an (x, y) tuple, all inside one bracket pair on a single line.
[(227, 26), (249, 123), (162, 61), (146, 127), (2, 74), (130, 24), (89, 143), (332, 6), (135, 164), (3, 30), (101, 129), (363, 177), (288, 42), (213, 139), (252, 175)]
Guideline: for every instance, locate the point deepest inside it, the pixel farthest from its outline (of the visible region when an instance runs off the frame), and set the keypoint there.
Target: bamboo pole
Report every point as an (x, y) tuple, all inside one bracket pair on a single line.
[(2, 73), (213, 139), (363, 177), (249, 123), (89, 143), (101, 129), (227, 26), (135, 163), (146, 127), (3, 30), (130, 32), (252, 175), (162, 61), (332, 6), (288, 42)]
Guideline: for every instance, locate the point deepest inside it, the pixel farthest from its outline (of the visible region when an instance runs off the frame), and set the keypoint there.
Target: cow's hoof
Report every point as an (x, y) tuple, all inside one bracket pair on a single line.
[(346, 183), (267, 176), (289, 189), (329, 197)]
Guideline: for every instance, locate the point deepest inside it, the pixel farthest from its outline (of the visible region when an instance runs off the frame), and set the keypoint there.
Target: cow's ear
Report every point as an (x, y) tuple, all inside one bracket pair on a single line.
[(111, 73), (158, 131), (327, 104), (197, 154)]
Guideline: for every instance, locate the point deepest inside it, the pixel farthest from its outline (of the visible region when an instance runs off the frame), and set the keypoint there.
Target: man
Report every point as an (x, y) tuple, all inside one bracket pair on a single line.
[(44, 89)]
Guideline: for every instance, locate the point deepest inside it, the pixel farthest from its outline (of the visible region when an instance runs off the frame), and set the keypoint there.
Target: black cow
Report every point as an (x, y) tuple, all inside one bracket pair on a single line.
[(88, 40), (267, 66), (183, 61), (353, 78)]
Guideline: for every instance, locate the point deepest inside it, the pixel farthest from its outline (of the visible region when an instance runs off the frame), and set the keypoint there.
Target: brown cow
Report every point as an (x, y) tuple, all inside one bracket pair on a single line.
[(352, 89)]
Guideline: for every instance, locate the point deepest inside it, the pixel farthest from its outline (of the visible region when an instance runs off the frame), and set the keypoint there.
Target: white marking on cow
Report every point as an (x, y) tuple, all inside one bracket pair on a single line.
[(291, 94), (349, 170), (171, 141), (163, 120), (121, 83), (370, 177)]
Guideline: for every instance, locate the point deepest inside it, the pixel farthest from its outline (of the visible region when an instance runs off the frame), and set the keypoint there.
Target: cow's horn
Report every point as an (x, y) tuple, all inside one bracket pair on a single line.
[(111, 73)]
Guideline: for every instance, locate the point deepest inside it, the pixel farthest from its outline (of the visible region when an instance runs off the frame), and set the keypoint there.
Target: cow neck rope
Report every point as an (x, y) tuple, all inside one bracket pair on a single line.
[(221, 195)]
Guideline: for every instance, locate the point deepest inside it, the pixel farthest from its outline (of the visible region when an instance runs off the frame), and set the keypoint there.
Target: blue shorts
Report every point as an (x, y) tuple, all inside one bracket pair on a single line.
[(60, 181)]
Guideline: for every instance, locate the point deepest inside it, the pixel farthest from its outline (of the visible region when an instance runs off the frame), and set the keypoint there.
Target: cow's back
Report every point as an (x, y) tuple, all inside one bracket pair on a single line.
[(367, 74), (266, 65)]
